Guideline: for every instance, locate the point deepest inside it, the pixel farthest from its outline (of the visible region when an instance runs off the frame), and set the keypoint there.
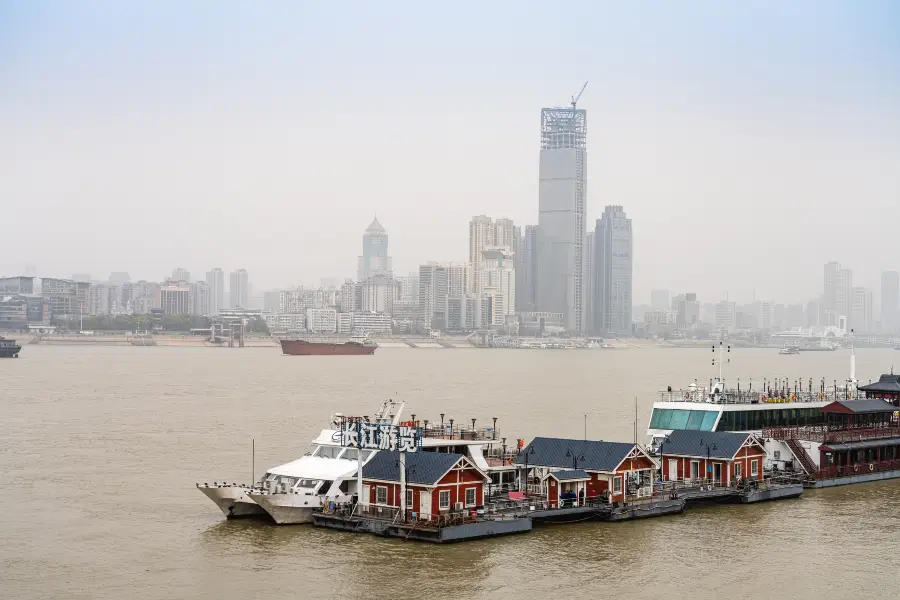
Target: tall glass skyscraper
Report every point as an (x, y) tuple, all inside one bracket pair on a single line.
[(374, 259), (561, 215), (613, 273)]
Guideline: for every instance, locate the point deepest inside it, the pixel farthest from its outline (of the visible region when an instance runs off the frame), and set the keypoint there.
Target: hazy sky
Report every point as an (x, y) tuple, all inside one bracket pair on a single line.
[(749, 142)]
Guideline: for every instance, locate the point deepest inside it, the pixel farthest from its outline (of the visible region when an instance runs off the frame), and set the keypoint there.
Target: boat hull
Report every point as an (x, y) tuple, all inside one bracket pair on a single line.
[(10, 351), (303, 348), (233, 501), (284, 509)]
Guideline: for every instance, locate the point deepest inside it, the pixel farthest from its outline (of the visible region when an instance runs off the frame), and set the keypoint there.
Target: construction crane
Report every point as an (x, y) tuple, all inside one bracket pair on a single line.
[(578, 96)]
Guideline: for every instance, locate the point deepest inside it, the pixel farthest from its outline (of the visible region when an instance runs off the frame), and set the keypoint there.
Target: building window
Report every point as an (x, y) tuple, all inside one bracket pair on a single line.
[(737, 470), (444, 499), (617, 485), (381, 494), (695, 469), (754, 468), (470, 497), (409, 499)]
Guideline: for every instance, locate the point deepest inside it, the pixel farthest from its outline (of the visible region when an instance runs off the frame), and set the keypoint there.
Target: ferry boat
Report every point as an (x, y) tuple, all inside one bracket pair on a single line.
[(325, 460), (327, 472), (9, 348), (832, 434), (789, 350)]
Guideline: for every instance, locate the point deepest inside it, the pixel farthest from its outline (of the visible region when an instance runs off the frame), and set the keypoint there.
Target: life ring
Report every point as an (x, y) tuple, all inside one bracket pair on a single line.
[(793, 396), (856, 468), (871, 467), (821, 395), (687, 396), (764, 399)]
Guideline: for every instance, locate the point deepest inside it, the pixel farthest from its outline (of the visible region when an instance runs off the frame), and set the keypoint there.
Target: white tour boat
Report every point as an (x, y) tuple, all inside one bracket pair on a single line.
[(325, 462), (327, 472)]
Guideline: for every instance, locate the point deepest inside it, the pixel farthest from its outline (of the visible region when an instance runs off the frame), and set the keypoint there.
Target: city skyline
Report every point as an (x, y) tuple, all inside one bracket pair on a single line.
[(741, 173)]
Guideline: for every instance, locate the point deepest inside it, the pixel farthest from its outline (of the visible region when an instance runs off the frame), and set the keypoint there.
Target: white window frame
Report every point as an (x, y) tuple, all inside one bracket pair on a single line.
[(738, 470), (441, 504), (410, 495), (617, 485), (754, 468), (474, 501), (378, 489), (697, 476)]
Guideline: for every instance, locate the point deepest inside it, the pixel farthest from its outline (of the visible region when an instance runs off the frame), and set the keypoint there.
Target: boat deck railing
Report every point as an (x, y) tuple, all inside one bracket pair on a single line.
[(461, 432), (770, 396), (832, 435), (877, 466)]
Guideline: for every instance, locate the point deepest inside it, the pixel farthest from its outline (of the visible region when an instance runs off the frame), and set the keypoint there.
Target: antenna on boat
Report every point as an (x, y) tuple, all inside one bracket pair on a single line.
[(253, 463)]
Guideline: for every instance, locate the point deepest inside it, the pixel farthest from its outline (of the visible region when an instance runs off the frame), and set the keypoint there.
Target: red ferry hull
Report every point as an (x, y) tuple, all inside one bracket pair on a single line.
[(303, 348)]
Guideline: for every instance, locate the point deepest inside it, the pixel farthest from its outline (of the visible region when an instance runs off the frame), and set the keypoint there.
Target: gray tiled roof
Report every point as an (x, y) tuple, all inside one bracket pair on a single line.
[(867, 405), (570, 474), (590, 455), (424, 468), (885, 383), (682, 442)]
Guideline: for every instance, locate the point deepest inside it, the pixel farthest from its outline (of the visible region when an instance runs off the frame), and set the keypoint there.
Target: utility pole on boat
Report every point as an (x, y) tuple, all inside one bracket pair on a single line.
[(852, 380), (403, 486), (253, 463)]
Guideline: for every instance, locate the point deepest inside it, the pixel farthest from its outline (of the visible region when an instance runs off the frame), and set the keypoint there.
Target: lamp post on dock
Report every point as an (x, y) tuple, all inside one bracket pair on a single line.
[(525, 476), (709, 448), (662, 444), (575, 459)]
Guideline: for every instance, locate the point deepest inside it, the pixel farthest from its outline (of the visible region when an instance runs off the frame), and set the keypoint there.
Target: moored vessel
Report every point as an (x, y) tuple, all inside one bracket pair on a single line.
[(316, 348), (833, 434), (9, 348)]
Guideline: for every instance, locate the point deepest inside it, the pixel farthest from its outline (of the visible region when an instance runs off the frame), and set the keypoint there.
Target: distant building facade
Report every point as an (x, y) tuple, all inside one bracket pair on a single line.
[(613, 269), (239, 289)]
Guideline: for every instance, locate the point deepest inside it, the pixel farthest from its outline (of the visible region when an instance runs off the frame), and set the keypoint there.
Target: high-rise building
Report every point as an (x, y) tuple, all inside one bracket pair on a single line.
[(408, 288), (176, 297), (200, 306), (725, 315), (659, 299), (844, 295), (239, 289), (561, 214), (526, 270), (351, 298), (179, 274), (861, 313), (374, 259), (437, 282), (377, 294), (613, 272), (829, 295), (485, 233), (215, 282), (890, 301), (590, 252), (498, 276)]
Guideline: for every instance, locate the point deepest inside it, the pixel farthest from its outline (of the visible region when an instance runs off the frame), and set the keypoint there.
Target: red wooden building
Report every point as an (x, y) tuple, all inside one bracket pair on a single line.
[(572, 471), (436, 483), (717, 457)]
